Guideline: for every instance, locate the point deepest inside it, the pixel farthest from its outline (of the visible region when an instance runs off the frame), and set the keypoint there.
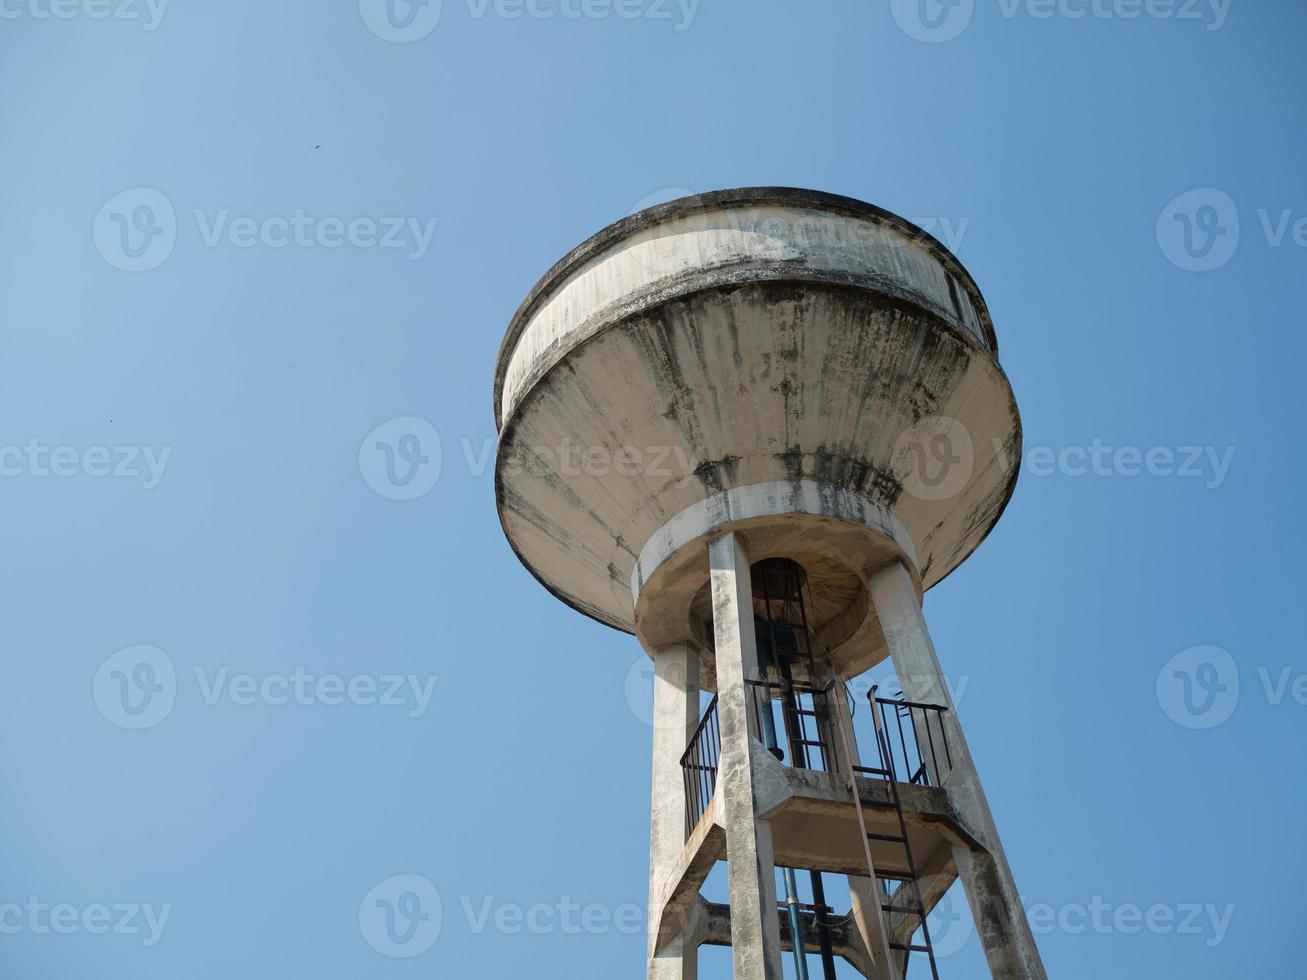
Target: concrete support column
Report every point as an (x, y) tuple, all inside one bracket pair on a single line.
[(755, 927), (991, 891), (675, 717)]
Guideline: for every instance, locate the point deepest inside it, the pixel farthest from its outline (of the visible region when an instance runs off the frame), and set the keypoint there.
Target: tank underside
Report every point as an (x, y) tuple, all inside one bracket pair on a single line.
[(702, 352)]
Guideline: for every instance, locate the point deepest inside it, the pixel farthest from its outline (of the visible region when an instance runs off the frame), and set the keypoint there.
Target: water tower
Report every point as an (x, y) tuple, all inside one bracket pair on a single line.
[(752, 427)]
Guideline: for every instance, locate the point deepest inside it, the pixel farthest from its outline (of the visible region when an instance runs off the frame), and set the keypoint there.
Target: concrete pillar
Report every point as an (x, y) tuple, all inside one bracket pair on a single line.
[(991, 891), (755, 927), (675, 717)]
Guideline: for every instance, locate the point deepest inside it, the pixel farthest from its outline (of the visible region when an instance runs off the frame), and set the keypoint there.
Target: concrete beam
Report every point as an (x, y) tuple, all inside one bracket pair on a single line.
[(674, 906), (844, 941)]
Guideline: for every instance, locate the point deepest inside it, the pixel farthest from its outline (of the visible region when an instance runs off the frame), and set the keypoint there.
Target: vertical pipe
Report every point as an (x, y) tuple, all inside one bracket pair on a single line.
[(796, 925), (823, 933), (768, 722)]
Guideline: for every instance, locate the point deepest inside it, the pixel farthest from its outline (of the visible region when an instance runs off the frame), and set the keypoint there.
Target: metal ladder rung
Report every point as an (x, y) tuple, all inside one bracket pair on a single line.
[(892, 838), (905, 909), (869, 769), (896, 875), (910, 947)]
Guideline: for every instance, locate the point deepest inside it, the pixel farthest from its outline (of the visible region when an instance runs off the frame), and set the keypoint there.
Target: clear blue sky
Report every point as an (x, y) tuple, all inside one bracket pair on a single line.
[(1047, 149)]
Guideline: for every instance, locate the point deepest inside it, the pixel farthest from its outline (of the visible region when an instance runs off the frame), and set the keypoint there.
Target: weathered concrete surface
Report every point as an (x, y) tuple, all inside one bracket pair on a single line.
[(838, 536), (739, 339), (744, 375), (813, 825), (816, 827), (755, 938), (675, 716), (991, 889), (672, 911), (845, 942)]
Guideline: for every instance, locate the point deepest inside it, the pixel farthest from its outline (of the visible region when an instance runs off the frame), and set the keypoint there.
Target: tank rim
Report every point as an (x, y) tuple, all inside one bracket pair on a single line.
[(709, 201)]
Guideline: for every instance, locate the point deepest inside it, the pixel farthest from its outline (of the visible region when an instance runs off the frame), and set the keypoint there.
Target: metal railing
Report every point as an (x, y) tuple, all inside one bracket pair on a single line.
[(912, 740), (787, 709), (699, 764), (910, 736)]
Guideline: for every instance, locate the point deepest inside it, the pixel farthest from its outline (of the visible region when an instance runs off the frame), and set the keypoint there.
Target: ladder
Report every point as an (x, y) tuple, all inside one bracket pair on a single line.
[(906, 899)]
